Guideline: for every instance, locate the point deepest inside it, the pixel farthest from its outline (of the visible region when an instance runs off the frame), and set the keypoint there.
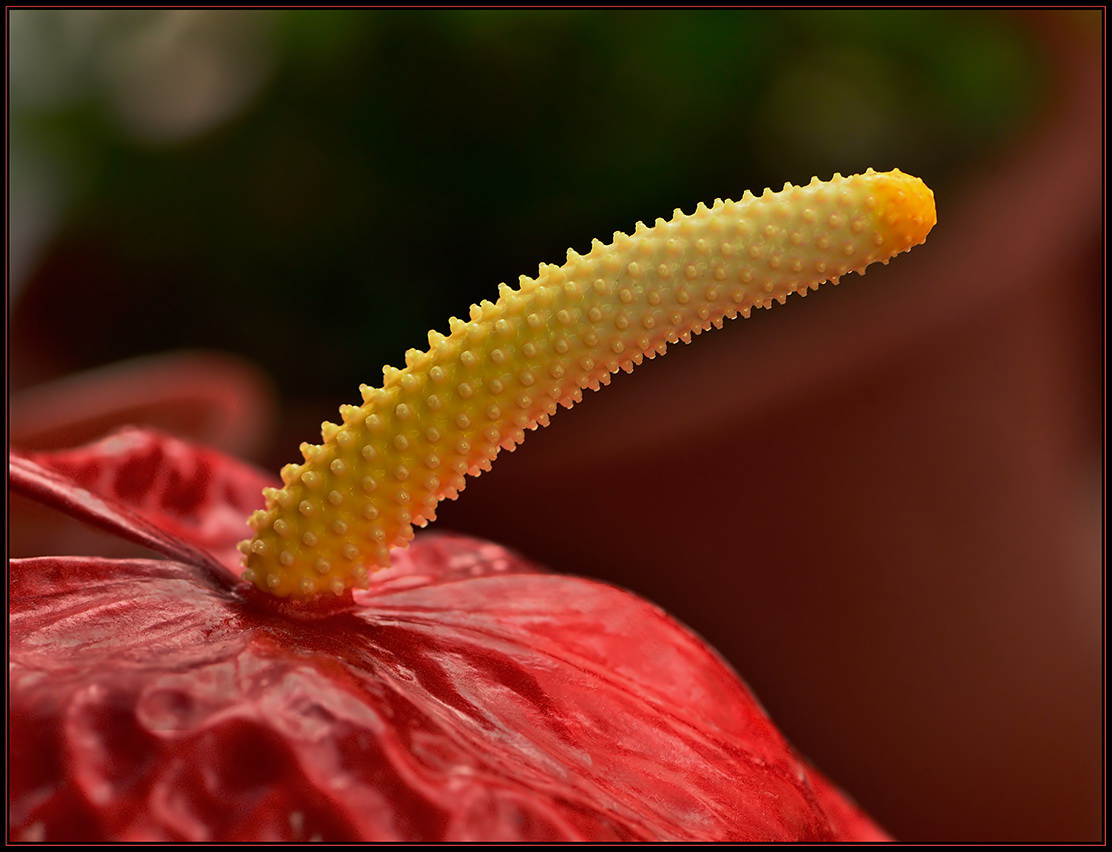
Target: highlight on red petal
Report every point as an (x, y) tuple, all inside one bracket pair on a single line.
[(476, 701)]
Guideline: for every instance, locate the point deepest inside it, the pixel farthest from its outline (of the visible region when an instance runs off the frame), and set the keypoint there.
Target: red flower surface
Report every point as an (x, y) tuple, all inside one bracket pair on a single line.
[(467, 695)]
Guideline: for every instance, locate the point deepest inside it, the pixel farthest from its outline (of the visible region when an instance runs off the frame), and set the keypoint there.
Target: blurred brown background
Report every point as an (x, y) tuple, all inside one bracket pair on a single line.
[(883, 504)]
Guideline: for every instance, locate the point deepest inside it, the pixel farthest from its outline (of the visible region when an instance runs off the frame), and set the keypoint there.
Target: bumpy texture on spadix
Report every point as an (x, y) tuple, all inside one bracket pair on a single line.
[(449, 411)]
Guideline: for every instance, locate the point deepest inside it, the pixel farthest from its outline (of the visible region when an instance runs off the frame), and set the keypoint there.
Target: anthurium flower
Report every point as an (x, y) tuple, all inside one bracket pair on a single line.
[(465, 695), (324, 679)]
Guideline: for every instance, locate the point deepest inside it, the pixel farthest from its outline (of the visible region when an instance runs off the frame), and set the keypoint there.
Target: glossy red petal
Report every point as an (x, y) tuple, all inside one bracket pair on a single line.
[(145, 480), (466, 697), (59, 492)]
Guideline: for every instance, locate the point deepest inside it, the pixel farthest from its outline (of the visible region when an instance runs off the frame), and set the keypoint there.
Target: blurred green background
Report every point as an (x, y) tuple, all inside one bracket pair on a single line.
[(314, 190)]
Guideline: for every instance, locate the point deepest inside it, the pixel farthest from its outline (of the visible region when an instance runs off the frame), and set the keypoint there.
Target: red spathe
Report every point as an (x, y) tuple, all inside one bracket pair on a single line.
[(466, 695)]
